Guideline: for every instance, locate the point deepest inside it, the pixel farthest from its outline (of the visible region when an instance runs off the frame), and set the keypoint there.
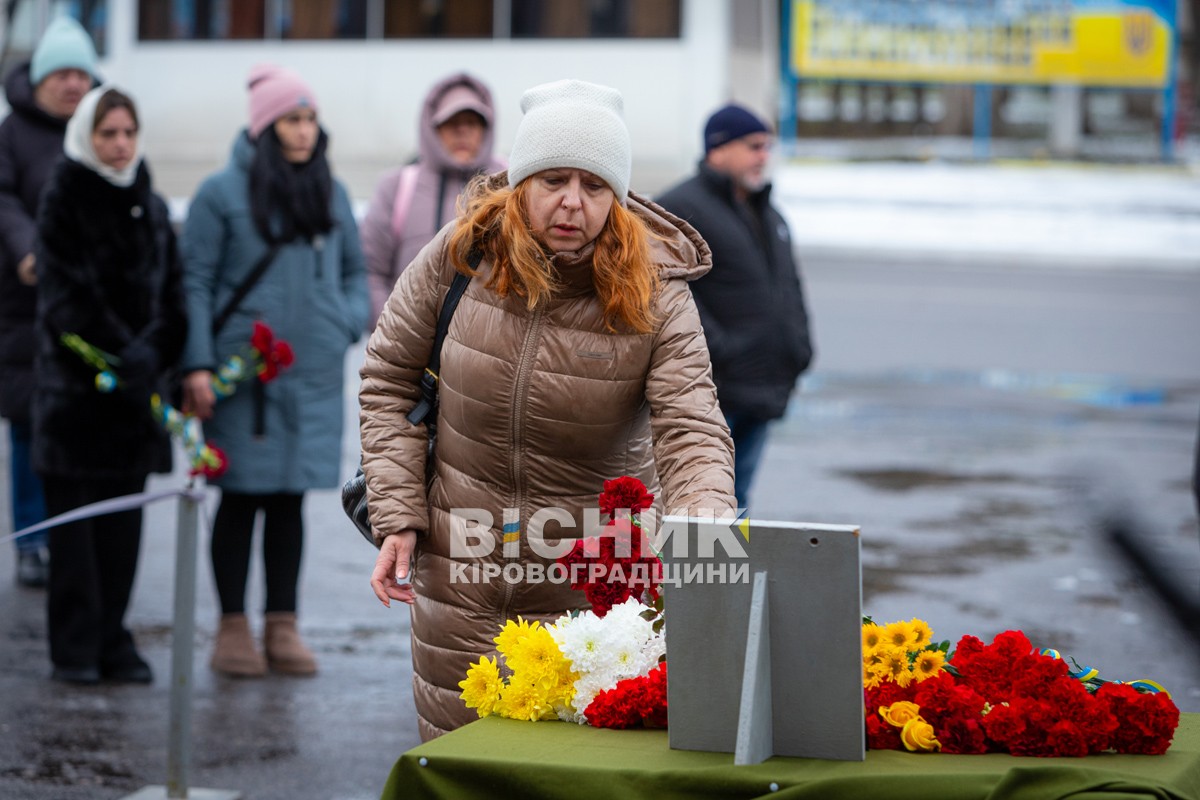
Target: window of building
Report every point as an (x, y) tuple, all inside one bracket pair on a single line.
[(201, 19), (160, 20), (28, 21), (435, 19), (324, 19), (595, 19)]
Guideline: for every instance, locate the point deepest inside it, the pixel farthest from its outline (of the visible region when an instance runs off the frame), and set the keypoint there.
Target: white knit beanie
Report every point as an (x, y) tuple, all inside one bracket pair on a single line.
[(573, 124)]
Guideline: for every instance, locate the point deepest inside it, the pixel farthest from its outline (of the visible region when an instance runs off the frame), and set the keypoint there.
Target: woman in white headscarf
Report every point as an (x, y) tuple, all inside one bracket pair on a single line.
[(109, 272)]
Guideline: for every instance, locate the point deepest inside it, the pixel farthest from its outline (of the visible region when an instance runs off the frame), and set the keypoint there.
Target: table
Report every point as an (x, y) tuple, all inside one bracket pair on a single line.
[(501, 758)]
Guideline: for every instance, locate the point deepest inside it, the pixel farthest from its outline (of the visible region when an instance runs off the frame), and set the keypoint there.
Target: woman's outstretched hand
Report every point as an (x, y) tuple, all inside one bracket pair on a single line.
[(392, 578), (198, 396)]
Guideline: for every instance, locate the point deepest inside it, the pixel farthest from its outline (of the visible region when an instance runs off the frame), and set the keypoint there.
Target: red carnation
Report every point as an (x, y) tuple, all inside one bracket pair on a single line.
[(604, 595), (272, 355), (881, 735), (283, 354), (624, 493), (262, 337), (631, 702), (1146, 722)]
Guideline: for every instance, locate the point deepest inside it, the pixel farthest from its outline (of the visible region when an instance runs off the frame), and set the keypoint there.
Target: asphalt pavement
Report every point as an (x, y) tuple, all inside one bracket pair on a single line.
[(976, 489)]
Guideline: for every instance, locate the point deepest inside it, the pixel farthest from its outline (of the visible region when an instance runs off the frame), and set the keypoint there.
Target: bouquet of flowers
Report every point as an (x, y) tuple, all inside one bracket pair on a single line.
[(268, 355), (620, 564), (1002, 697), (204, 457), (583, 668), (604, 667)]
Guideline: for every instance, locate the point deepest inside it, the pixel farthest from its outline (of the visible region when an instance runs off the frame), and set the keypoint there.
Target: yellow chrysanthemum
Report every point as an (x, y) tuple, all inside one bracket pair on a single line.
[(872, 634), (927, 664), (900, 634), (923, 633), (536, 658), (512, 633), (566, 683), (481, 688), (524, 701)]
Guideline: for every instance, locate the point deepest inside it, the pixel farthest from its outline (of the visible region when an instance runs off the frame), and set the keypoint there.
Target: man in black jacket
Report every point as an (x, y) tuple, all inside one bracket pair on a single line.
[(751, 303), (43, 94)]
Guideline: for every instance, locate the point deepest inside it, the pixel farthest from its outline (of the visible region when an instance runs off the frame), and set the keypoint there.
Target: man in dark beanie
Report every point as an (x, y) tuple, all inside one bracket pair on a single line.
[(751, 303), (43, 94)]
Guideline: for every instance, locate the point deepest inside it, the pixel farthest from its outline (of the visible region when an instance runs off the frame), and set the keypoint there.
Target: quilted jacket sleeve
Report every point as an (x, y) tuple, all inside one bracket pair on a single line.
[(693, 451), (393, 449)]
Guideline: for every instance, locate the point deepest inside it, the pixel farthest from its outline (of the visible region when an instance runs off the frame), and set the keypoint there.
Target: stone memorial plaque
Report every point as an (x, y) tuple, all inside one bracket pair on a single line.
[(809, 609)]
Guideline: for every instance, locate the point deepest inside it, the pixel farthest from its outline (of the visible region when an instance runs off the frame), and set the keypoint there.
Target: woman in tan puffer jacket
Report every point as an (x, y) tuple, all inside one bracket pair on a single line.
[(576, 355)]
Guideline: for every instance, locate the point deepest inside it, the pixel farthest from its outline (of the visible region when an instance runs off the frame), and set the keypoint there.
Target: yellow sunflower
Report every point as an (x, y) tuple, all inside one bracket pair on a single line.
[(895, 661), (923, 633), (927, 664), (900, 634), (872, 635)]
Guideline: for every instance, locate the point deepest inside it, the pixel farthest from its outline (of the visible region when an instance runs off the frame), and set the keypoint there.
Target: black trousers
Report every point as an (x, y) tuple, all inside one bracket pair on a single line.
[(92, 567), (283, 544)]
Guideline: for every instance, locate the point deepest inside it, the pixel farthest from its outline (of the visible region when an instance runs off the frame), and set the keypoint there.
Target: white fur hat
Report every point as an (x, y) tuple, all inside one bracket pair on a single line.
[(573, 124)]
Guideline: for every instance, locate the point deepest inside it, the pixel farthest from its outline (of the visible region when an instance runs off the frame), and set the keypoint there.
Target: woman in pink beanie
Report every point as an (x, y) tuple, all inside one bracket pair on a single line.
[(271, 238)]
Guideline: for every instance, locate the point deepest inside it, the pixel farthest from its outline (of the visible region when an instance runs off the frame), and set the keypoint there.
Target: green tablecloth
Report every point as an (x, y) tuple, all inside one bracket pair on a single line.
[(499, 758)]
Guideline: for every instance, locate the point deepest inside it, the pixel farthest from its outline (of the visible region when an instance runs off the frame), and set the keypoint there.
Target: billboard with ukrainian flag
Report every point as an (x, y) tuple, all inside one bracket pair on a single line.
[(1085, 42)]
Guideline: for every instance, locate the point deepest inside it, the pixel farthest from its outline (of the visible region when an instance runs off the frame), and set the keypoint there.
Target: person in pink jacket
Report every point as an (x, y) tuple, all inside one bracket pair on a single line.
[(413, 202)]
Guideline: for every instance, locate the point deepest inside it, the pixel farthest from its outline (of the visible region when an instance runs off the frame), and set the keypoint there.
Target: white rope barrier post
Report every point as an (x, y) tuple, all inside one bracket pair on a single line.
[(179, 733)]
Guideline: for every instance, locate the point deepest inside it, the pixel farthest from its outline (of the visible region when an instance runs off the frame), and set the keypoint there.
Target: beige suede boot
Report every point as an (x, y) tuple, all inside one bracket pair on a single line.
[(235, 653), (286, 653)]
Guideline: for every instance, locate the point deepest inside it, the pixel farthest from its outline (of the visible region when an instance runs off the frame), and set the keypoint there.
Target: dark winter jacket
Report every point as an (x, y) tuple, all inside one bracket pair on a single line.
[(30, 144), (751, 303), (109, 271)]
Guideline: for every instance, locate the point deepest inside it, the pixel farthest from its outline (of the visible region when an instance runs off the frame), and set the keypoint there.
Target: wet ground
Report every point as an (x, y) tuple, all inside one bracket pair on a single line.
[(975, 487), (984, 509)]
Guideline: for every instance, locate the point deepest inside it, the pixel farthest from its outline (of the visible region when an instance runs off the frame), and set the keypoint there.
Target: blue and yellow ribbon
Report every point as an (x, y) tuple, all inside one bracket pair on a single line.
[(1086, 674)]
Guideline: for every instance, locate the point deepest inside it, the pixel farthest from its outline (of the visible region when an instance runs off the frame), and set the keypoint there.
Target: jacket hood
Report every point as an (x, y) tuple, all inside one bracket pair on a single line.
[(242, 155), (675, 246), (431, 151), (18, 90)]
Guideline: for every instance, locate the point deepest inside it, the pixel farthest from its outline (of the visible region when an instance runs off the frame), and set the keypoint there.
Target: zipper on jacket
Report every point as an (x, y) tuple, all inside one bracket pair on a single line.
[(517, 428)]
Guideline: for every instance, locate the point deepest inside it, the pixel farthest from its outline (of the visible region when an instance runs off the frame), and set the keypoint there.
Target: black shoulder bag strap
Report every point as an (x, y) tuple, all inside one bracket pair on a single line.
[(429, 380), (243, 289)]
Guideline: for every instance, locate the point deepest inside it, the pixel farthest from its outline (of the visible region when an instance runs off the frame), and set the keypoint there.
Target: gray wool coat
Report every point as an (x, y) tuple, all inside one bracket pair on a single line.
[(284, 436)]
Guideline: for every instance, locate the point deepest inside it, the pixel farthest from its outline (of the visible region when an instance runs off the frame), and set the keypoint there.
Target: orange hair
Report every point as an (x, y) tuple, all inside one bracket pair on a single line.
[(495, 223)]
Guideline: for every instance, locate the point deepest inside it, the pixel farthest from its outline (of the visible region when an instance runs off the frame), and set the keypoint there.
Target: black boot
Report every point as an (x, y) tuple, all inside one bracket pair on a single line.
[(33, 567)]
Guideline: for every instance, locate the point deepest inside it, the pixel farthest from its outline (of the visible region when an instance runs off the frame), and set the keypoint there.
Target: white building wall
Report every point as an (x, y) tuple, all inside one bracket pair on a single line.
[(193, 98)]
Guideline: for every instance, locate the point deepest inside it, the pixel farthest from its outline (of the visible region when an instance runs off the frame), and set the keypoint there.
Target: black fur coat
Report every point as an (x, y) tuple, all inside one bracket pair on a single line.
[(109, 271)]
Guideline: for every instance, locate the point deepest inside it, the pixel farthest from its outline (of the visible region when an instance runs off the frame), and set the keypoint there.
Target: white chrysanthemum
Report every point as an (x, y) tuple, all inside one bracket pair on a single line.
[(583, 641), (605, 650)]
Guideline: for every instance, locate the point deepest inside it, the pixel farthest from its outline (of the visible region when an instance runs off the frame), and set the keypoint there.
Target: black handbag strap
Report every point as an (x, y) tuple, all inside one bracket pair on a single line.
[(243, 289), (429, 380)]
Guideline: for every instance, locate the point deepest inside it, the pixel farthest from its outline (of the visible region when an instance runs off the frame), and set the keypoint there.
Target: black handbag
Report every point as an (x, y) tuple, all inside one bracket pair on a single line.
[(354, 491)]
